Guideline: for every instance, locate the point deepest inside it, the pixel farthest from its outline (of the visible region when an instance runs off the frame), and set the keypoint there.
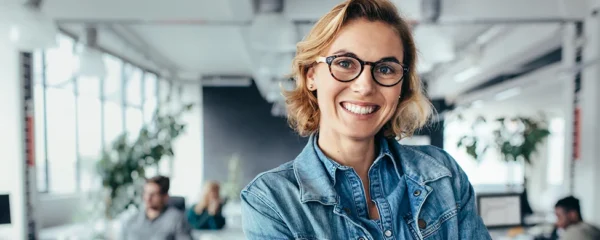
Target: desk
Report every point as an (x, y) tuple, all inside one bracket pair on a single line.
[(84, 231), (223, 234)]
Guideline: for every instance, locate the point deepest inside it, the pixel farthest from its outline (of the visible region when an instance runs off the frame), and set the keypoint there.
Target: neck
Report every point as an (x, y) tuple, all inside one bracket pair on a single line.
[(356, 153), (576, 222)]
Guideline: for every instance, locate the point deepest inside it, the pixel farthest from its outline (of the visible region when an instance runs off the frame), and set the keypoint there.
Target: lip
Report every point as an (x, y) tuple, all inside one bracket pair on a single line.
[(360, 103)]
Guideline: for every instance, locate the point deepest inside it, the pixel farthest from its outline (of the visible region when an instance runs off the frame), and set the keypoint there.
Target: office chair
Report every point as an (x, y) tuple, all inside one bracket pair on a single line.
[(177, 202)]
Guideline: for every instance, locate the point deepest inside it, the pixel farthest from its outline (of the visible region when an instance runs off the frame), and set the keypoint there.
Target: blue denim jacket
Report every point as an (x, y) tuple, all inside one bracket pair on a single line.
[(420, 192)]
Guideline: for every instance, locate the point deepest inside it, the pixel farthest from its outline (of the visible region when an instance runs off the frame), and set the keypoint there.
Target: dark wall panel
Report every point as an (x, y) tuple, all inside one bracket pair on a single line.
[(238, 120)]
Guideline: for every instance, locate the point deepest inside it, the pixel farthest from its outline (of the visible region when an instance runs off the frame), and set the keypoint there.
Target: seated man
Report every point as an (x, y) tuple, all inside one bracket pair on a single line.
[(206, 214), (569, 218), (157, 220)]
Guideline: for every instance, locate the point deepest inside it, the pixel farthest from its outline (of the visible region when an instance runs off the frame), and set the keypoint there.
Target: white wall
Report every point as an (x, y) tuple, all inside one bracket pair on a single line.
[(187, 177), (11, 141)]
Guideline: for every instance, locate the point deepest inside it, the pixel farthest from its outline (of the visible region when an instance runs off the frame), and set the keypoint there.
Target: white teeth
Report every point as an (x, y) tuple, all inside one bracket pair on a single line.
[(358, 109)]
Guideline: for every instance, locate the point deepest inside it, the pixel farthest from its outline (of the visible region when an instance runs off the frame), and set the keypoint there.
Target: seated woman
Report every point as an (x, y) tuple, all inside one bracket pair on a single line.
[(206, 214)]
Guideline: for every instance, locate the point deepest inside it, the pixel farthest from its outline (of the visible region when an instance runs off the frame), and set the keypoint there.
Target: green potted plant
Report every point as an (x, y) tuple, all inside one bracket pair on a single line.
[(122, 166), (517, 139)]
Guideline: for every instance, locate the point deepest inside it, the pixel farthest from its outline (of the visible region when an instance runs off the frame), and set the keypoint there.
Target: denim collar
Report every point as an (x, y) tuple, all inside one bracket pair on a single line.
[(315, 182), (332, 166)]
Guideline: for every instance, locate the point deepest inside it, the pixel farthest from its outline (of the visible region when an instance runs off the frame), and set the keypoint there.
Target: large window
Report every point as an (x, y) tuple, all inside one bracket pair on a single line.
[(75, 118), (492, 170), (62, 155), (150, 96), (89, 120), (40, 146), (556, 152)]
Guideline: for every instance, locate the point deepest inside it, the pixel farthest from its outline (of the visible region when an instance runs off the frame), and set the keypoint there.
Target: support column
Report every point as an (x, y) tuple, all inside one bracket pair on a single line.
[(568, 62), (12, 170), (587, 167)]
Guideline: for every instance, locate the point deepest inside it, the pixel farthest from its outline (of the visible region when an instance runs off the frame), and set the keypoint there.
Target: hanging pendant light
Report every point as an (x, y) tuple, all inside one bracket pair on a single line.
[(270, 30), (28, 28), (90, 62)]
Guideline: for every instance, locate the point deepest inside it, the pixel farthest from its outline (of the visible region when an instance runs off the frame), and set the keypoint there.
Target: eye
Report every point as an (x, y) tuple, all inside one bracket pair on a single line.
[(385, 70), (345, 64)]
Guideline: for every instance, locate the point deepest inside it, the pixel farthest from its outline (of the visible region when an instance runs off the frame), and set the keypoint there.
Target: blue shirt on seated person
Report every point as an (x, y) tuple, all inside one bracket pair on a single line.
[(204, 219), (207, 213)]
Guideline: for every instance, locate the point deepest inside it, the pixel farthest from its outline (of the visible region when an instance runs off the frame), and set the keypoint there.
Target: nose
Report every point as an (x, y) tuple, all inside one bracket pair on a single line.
[(364, 84)]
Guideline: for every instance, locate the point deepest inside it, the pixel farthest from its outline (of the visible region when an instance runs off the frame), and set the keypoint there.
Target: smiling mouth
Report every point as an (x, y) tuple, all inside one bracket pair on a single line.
[(361, 109)]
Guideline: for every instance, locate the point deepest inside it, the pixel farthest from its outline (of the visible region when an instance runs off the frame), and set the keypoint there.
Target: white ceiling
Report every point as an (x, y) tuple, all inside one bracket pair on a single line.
[(205, 37), (542, 91), (201, 49)]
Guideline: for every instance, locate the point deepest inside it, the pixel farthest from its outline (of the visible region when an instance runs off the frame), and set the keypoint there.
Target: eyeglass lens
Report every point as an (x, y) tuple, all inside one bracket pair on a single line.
[(348, 68)]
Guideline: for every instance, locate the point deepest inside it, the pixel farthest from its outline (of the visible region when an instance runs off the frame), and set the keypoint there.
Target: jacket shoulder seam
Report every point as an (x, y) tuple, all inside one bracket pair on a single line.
[(274, 172)]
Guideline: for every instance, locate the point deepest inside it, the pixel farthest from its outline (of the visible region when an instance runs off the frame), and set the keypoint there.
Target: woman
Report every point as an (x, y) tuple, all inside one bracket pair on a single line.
[(207, 213), (357, 91)]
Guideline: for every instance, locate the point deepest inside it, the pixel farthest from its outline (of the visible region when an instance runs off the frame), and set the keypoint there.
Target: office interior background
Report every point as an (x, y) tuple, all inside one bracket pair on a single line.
[(75, 75)]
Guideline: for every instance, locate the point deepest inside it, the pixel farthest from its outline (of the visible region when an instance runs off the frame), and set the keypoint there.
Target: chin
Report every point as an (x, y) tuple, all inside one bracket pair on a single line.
[(156, 207), (359, 134)]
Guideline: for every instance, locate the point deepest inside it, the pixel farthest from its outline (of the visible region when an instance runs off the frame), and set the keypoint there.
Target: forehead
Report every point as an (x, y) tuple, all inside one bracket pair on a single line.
[(151, 187), (369, 40)]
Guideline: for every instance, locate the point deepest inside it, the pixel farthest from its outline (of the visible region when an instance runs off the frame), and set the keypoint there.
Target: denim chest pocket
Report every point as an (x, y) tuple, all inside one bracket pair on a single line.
[(436, 224), (317, 222)]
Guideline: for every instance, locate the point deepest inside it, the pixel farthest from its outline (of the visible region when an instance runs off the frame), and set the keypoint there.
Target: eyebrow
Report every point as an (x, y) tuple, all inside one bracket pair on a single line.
[(384, 59)]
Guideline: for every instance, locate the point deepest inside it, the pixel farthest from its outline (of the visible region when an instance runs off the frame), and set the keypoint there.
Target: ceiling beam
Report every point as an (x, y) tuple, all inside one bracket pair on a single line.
[(508, 11), (501, 55), (240, 13), (134, 41), (140, 10), (543, 76)]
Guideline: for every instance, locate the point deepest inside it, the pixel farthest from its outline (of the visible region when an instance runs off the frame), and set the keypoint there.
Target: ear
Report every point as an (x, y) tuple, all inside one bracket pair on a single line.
[(310, 79), (573, 216)]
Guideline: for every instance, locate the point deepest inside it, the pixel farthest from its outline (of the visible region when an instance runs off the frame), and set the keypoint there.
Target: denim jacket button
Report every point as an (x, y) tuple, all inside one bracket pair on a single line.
[(388, 233), (347, 210), (417, 193), (422, 224), (362, 238)]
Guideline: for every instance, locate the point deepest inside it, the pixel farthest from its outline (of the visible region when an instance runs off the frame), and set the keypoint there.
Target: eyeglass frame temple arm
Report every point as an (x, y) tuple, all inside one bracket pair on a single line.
[(321, 59)]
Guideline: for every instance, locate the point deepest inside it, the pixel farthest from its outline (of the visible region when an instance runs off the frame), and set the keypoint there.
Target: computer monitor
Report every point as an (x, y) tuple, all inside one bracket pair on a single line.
[(4, 209), (500, 210)]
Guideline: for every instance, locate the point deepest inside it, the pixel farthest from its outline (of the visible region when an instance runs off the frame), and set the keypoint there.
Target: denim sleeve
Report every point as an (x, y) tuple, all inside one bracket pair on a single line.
[(260, 220), (470, 224)]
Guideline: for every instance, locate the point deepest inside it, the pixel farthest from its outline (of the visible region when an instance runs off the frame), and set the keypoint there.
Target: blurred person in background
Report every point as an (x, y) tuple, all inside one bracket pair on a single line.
[(157, 220), (206, 214), (568, 218), (358, 92)]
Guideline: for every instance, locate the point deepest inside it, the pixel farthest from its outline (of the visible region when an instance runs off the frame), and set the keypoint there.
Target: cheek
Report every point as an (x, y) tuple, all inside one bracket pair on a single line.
[(392, 98), (324, 81), (328, 91)]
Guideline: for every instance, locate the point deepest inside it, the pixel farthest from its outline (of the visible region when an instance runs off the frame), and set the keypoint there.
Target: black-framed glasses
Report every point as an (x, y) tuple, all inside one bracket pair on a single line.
[(386, 72)]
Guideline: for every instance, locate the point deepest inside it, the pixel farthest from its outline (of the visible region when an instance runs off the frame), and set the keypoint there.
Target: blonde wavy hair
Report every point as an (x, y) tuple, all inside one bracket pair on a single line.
[(303, 114)]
